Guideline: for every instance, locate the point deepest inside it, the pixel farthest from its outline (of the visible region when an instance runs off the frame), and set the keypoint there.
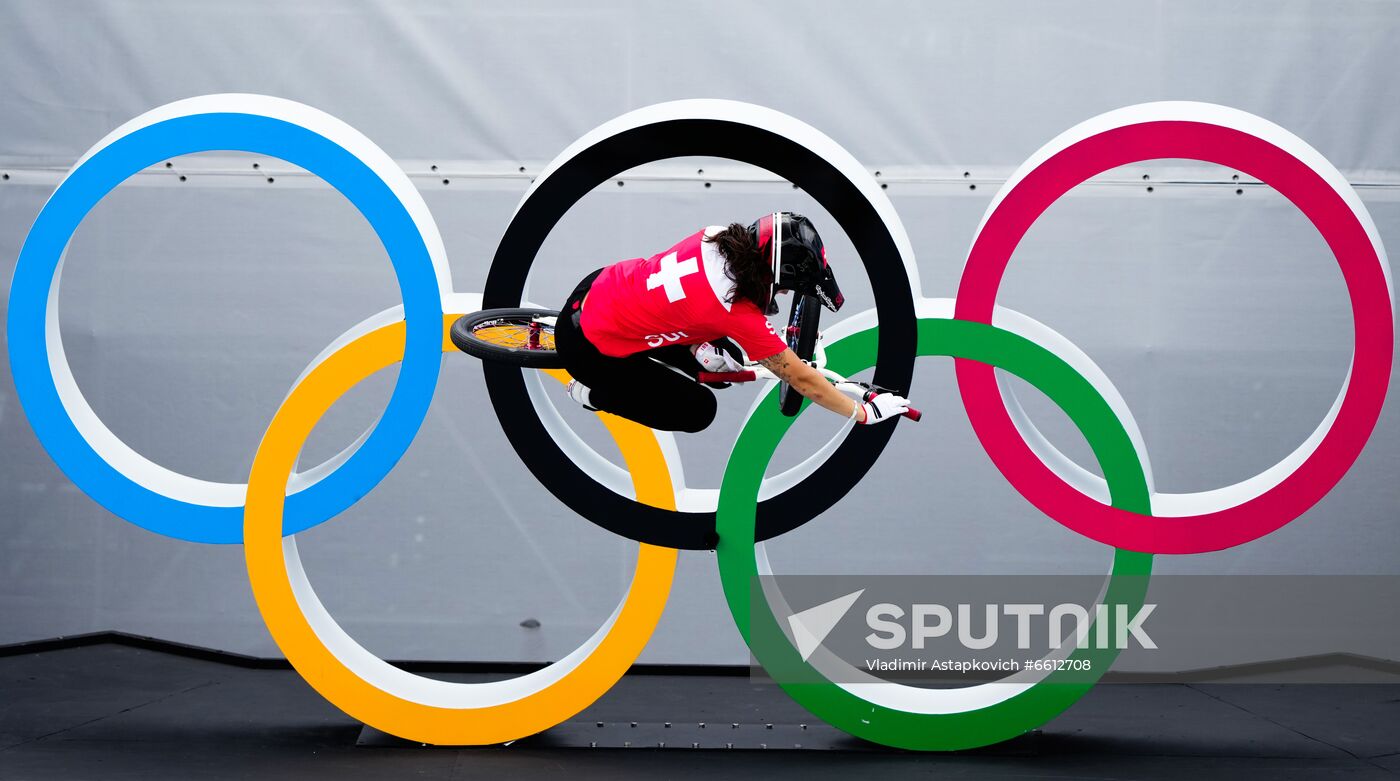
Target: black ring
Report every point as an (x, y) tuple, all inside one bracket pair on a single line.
[(554, 195)]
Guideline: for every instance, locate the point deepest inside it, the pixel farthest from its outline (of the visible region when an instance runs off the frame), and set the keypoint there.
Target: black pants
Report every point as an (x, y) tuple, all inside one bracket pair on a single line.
[(636, 387)]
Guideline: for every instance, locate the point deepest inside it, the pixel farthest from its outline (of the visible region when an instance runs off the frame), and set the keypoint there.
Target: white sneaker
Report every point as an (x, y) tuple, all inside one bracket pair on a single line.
[(579, 393)]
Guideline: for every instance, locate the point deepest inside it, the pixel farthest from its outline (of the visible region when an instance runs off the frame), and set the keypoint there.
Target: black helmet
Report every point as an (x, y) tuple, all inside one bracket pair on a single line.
[(792, 246)]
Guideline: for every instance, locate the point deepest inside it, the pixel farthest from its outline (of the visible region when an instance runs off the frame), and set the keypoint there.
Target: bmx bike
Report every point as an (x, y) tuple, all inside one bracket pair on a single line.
[(525, 337)]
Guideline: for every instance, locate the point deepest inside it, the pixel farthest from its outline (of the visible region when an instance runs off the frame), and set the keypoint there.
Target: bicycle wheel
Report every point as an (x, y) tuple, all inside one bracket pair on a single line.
[(523, 337), (802, 338)]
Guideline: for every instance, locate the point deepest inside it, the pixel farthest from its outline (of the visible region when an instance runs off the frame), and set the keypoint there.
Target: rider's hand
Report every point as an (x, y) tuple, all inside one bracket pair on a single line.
[(880, 407), (718, 357)]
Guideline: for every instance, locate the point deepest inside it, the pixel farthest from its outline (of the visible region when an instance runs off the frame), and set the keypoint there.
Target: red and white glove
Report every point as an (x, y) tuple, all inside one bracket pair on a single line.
[(716, 359), (879, 407)]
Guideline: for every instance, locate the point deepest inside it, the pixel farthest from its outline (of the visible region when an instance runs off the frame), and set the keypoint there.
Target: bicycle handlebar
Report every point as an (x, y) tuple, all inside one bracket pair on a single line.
[(750, 375), (743, 376)]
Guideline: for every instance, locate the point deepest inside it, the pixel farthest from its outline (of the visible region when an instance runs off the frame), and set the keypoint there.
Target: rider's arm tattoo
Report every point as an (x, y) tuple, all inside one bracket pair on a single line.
[(778, 364), (787, 367)]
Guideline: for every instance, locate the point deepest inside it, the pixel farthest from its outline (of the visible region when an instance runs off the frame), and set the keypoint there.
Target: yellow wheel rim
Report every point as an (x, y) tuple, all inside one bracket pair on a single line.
[(511, 335)]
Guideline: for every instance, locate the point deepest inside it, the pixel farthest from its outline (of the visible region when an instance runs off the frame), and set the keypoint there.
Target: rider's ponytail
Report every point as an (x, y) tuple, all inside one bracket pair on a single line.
[(744, 265)]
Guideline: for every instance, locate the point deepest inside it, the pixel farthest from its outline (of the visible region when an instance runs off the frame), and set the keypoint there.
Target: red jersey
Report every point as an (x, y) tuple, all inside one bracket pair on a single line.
[(676, 297)]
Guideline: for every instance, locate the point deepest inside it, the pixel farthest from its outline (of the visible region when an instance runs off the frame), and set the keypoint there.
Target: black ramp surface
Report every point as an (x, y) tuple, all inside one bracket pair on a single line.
[(115, 712)]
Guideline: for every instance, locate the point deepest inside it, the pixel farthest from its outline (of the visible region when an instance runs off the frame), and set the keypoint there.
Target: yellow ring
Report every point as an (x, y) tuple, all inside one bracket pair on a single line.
[(398, 702)]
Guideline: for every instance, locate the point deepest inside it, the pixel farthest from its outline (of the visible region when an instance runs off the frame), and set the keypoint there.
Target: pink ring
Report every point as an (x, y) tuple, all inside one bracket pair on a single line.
[(1248, 510)]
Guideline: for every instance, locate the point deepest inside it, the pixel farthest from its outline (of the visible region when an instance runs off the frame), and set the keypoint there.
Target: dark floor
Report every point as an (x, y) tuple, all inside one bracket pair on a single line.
[(112, 712)]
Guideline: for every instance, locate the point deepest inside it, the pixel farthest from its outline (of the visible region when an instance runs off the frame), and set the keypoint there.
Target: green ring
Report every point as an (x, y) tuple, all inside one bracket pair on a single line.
[(994, 723)]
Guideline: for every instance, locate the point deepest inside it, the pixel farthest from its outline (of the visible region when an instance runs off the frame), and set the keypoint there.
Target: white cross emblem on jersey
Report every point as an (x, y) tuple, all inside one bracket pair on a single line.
[(669, 277)]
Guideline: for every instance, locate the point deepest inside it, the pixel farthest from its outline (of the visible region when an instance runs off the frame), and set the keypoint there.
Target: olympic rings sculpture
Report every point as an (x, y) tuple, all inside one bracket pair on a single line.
[(649, 501)]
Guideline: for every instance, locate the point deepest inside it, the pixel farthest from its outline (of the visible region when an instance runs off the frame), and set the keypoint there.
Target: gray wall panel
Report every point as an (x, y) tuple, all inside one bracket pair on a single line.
[(188, 309)]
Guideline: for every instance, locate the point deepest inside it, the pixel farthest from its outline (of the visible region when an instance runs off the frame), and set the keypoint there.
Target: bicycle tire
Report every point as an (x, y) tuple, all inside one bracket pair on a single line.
[(469, 334), (802, 339)]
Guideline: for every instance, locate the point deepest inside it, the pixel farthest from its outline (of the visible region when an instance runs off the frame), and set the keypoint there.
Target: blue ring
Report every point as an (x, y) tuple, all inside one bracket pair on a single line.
[(87, 184)]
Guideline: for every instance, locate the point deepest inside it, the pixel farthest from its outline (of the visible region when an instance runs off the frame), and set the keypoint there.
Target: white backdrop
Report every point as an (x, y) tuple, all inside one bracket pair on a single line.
[(190, 306)]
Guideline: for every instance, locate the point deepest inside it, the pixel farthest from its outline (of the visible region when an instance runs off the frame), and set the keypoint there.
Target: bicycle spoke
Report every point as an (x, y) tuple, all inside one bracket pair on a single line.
[(513, 335)]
